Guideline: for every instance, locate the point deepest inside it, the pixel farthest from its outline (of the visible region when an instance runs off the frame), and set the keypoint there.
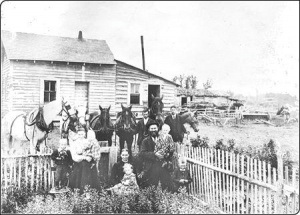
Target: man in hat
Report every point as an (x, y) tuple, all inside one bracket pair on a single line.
[(177, 128), (152, 171), (141, 128)]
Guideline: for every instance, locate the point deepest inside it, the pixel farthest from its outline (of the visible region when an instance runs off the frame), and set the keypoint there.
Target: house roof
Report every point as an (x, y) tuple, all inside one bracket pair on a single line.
[(195, 92), (148, 73), (28, 46)]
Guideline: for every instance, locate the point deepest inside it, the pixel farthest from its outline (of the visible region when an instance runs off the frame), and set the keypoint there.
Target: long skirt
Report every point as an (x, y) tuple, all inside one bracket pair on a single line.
[(84, 173)]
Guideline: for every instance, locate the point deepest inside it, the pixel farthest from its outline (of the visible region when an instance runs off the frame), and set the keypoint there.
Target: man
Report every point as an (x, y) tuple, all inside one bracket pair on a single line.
[(141, 128), (176, 125), (152, 171)]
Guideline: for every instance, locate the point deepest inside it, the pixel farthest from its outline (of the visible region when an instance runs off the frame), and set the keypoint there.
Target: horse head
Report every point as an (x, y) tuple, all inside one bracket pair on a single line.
[(126, 119), (156, 108), (104, 118), (81, 114)]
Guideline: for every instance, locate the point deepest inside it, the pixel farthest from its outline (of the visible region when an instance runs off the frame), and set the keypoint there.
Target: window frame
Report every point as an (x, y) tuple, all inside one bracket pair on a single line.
[(134, 94), (42, 89)]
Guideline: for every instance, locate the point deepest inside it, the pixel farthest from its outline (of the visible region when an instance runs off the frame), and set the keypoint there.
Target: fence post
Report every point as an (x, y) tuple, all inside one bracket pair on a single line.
[(280, 178)]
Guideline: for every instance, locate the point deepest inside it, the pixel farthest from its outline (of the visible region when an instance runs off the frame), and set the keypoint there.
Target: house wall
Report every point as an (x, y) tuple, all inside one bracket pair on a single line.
[(29, 78), (6, 85), (127, 74)]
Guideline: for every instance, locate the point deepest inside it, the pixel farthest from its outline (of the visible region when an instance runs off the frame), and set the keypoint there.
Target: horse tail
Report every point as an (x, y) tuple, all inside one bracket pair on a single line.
[(30, 116)]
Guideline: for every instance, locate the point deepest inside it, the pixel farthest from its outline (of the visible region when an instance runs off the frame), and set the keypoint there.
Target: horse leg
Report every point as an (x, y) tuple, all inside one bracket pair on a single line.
[(121, 141), (129, 141)]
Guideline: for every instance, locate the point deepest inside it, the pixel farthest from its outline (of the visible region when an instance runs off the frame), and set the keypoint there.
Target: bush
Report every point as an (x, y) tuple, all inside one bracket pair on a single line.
[(13, 198), (149, 200), (200, 142)]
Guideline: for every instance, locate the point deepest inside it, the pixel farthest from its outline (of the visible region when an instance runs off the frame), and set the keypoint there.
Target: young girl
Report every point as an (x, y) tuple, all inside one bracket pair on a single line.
[(165, 147), (128, 184), (92, 146), (182, 177)]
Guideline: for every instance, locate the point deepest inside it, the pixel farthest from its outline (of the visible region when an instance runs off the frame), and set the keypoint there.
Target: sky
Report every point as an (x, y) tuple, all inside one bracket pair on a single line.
[(248, 47)]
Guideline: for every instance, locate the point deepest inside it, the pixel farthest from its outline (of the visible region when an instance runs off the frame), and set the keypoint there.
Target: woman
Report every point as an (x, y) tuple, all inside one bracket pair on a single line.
[(117, 172), (84, 168)]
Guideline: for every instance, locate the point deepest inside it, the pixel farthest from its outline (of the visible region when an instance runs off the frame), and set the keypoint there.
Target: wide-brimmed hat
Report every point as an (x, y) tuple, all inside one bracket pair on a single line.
[(151, 122)]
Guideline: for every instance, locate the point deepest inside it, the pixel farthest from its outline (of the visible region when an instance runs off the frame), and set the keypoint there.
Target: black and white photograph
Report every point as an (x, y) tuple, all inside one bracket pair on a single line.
[(138, 107)]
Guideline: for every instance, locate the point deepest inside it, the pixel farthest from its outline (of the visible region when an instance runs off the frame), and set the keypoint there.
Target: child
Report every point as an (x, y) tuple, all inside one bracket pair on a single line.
[(93, 143), (86, 145), (128, 184), (165, 147), (182, 176), (63, 160)]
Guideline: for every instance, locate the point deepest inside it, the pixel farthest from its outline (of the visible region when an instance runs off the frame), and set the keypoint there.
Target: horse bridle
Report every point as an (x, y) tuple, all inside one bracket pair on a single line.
[(121, 118)]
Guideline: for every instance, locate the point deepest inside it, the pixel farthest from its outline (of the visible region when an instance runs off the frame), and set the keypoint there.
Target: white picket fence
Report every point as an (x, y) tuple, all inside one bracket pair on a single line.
[(239, 184)]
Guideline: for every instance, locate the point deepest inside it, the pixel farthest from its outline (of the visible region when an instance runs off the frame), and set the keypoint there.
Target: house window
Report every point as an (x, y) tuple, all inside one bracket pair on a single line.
[(134, 93), (49, 91)]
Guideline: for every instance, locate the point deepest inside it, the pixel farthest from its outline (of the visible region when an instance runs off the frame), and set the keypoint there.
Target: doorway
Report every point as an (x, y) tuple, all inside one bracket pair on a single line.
[(155, 91), (183, 100)]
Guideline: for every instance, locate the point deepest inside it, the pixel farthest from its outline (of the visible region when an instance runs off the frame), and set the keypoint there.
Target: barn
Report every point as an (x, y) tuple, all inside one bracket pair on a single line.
[(36, 69)]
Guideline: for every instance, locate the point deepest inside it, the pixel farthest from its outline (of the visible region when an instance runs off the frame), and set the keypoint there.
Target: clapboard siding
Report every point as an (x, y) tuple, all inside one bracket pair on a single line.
[(6, 86), (128, 74), (28, 77)]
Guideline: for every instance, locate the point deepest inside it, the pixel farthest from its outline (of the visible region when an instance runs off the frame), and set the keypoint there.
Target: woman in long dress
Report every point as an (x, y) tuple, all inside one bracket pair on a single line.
[(84, 169)]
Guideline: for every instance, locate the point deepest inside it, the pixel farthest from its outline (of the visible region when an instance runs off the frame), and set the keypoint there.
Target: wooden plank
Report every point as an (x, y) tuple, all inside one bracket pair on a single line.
[(228, 184), (197, 173), (238, 194), (26, 172), (49, 173), (264, 189), (32, 172), (216, 175), (256, 188), (211, 176), (232, 184), (220, 194), (294, 184), (224, 182), (37, 178), (15, 171), (45, 173), (10, 171), (206, 179), (251, 187), (202, 192), (260, 190), (242, 184), (274, 181), (20, 172), (287, 175), (5, 173), (269, 191)]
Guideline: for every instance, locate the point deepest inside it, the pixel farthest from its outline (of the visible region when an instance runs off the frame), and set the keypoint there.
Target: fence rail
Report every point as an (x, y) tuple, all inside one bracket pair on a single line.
[(240, 184)]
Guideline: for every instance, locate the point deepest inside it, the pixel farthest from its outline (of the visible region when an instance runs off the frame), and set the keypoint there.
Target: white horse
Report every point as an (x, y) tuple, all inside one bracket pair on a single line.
[(18, 128), (289, 113)]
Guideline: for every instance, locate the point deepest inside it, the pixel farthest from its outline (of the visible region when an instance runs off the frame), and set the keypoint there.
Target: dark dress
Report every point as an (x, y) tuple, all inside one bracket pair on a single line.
[(83, 173), (177, 128), (152, 167), (178, 175), (142, 131), (117, 172)]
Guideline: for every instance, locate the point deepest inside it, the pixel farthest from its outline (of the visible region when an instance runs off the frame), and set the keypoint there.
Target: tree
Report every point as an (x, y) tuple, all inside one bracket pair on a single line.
[(194, 81)]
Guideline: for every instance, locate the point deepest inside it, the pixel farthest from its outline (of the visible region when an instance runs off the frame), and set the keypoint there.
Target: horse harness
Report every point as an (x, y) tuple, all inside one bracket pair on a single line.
[(39, 121)]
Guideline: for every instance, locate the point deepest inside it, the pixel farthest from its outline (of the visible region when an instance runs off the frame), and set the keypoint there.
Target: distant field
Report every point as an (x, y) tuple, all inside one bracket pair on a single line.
[(253, 134)]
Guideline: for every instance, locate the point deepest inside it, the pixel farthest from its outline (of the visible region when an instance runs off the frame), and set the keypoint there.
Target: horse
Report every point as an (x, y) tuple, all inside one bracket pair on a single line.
[(17, 127), (289, 113), (71, 119), (125, 126), (191, 119), (102, 125), (156, 110)]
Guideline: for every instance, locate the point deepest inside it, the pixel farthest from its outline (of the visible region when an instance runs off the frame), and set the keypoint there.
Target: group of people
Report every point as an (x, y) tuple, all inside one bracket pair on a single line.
[(152, 165), (154, 161)]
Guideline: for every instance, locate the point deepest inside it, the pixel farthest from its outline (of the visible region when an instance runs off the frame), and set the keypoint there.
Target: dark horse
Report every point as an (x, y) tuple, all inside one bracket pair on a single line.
[(156, 110), (103, 126), (190, 118), (126, 127)]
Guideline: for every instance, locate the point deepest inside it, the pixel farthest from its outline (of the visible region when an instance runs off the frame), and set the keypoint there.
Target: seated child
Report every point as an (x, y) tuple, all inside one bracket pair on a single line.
[(63, 160), (182, 177), (128, 184), (165, 147)]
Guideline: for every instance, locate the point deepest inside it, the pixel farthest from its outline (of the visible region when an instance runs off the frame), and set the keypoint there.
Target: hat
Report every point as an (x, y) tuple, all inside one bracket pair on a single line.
[(152, 122)]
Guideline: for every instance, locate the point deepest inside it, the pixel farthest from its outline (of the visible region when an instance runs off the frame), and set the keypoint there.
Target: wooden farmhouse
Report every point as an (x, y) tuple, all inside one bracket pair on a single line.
[(36, 69)]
